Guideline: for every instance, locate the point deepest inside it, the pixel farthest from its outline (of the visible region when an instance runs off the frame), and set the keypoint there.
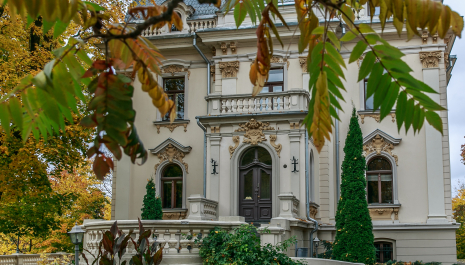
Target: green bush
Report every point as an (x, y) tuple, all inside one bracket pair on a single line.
[(328, 246), (151, 208), (242, 246)]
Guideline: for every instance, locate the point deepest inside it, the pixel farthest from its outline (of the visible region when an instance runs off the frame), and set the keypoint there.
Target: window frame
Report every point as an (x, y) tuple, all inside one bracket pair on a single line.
[(174, 92), (365, 96), (173, 187), (379, 173), (381, 253), (270, 85)]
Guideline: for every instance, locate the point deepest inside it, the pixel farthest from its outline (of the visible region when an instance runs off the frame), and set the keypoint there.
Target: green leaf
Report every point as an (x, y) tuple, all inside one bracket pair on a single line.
[(251, 11), (434, 120), (388, 51), (332, 36), (16, 112), (364, 28), (334, 90), (374, 79), (358, 50), (334, 66), (390, 100), (367, 65), (416, 118), (319, 30), (240, 12), (381, 91), (5, 117), (409, 112), (84, 57), (348, 36), (60, 27), (335, 54), (333, 78), (401, 109)]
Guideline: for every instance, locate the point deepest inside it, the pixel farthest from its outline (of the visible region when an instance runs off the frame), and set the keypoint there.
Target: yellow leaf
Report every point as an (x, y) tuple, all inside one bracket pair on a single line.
[(444, 22), (457, 24)]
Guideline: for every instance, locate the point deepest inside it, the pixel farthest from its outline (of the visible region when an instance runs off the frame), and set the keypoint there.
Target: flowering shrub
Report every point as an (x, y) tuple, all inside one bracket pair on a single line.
[(242, 246)]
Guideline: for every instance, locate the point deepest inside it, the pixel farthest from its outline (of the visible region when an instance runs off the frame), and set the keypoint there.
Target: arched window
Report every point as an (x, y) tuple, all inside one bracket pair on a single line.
[(171, 183), (384, 252), (256, 154), (379, 181)]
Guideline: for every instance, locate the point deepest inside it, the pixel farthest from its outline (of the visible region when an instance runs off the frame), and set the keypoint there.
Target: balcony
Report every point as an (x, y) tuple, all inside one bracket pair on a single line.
[(275, 102)]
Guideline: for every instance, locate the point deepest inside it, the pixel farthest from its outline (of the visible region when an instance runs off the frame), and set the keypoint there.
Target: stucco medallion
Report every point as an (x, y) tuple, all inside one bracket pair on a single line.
[(172, 69), (254, 131), (303, 64)]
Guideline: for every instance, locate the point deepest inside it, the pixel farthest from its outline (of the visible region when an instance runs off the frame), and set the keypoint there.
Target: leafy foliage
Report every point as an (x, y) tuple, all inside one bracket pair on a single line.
[(354, 236), (114, 243), (151, 208), (328, 247), (44, 102), (242, 246), (458, 208)]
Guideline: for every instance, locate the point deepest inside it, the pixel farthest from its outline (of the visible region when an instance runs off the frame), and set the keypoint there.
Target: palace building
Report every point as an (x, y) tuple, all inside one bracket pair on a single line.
[(251, 157)]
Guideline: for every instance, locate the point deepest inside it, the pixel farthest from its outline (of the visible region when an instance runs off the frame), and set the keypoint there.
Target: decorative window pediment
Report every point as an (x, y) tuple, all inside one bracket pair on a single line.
[(171, 150), (379, 141)]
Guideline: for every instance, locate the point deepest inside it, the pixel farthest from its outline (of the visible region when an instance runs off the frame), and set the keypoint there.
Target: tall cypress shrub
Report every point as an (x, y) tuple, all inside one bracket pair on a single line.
[(151, 208), (354, 237)]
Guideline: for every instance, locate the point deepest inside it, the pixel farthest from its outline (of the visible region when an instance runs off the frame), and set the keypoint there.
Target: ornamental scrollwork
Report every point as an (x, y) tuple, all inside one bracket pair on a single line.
[(172, 69), (377, 145), (254, 131), (277, 147), (229, 69), (430, 59), (236, 140), (171, 153)]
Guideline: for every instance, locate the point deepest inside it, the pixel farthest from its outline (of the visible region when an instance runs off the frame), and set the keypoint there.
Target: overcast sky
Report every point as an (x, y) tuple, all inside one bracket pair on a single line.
[(456, 101)]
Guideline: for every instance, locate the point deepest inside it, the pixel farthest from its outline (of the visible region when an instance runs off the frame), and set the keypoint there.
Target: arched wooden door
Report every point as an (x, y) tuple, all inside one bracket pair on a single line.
[(255, 185)]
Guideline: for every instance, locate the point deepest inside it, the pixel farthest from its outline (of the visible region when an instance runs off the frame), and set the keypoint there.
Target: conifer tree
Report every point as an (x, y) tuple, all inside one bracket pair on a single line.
[(354, 237), (151, 208)]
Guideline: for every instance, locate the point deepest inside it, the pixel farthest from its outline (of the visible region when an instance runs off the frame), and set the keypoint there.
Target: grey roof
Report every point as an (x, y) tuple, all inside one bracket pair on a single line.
[(200, 10)]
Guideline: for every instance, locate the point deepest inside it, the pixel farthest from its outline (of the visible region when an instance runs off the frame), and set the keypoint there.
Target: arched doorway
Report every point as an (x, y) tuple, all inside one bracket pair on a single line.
[(255, 198)]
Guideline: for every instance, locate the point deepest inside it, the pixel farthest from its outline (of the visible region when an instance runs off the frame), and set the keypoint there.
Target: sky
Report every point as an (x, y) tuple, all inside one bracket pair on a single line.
[(456, 102)]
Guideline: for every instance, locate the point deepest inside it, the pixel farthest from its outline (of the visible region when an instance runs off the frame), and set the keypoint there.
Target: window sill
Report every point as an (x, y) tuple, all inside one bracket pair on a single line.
[(168, 122), (171, 126), (383, 205)]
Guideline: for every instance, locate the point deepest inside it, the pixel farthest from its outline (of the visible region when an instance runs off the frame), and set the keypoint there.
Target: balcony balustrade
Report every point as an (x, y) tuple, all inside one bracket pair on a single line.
[(291, 100)]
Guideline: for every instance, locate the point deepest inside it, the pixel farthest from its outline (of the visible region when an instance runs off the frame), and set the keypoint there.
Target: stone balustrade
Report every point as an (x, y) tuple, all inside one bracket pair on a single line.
[(192, 26), (34, 259), (291, 100), (195, 25), (176, 236)]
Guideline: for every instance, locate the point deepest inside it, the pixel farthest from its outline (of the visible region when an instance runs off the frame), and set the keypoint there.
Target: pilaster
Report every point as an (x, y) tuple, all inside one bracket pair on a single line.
[(215, 143), (294, 139), (434, 159)]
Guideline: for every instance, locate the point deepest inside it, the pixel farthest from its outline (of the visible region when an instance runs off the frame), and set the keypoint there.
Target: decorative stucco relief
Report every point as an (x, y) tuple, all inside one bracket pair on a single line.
[(229, 69), (172, 69), (424, 37), (375, 116), (377, 145), (170, 153), (384, 213), (277, 147), (236, 140), (233, 47), (303, 64), (254, 131), (430, 59), (171, 127), (224, 48)]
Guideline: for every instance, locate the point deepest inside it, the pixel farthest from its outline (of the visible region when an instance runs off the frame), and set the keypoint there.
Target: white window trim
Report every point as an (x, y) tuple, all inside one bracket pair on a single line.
[(158, 175), (394, 174), (186, 91)]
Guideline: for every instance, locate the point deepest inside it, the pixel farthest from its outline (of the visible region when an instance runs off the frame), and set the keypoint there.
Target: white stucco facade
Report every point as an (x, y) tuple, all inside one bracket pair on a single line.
[(418, 222)]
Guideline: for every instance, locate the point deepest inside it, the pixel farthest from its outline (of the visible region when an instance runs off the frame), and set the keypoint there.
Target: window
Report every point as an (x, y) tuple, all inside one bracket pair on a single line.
[(171, 183), (173, 27), (368, 101), (174, 88), (377, 10), (275, 81), (383, 252), (379, 181)]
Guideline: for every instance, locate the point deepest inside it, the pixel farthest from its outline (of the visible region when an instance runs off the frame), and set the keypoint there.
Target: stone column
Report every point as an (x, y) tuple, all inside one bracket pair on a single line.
[(294, 139), (229, 77), (215, 142), (434, 161)]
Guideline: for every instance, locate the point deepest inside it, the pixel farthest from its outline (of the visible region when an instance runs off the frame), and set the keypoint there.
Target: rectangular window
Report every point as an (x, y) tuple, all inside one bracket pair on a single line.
[(368, 101), (174, 88), (275, 81)]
